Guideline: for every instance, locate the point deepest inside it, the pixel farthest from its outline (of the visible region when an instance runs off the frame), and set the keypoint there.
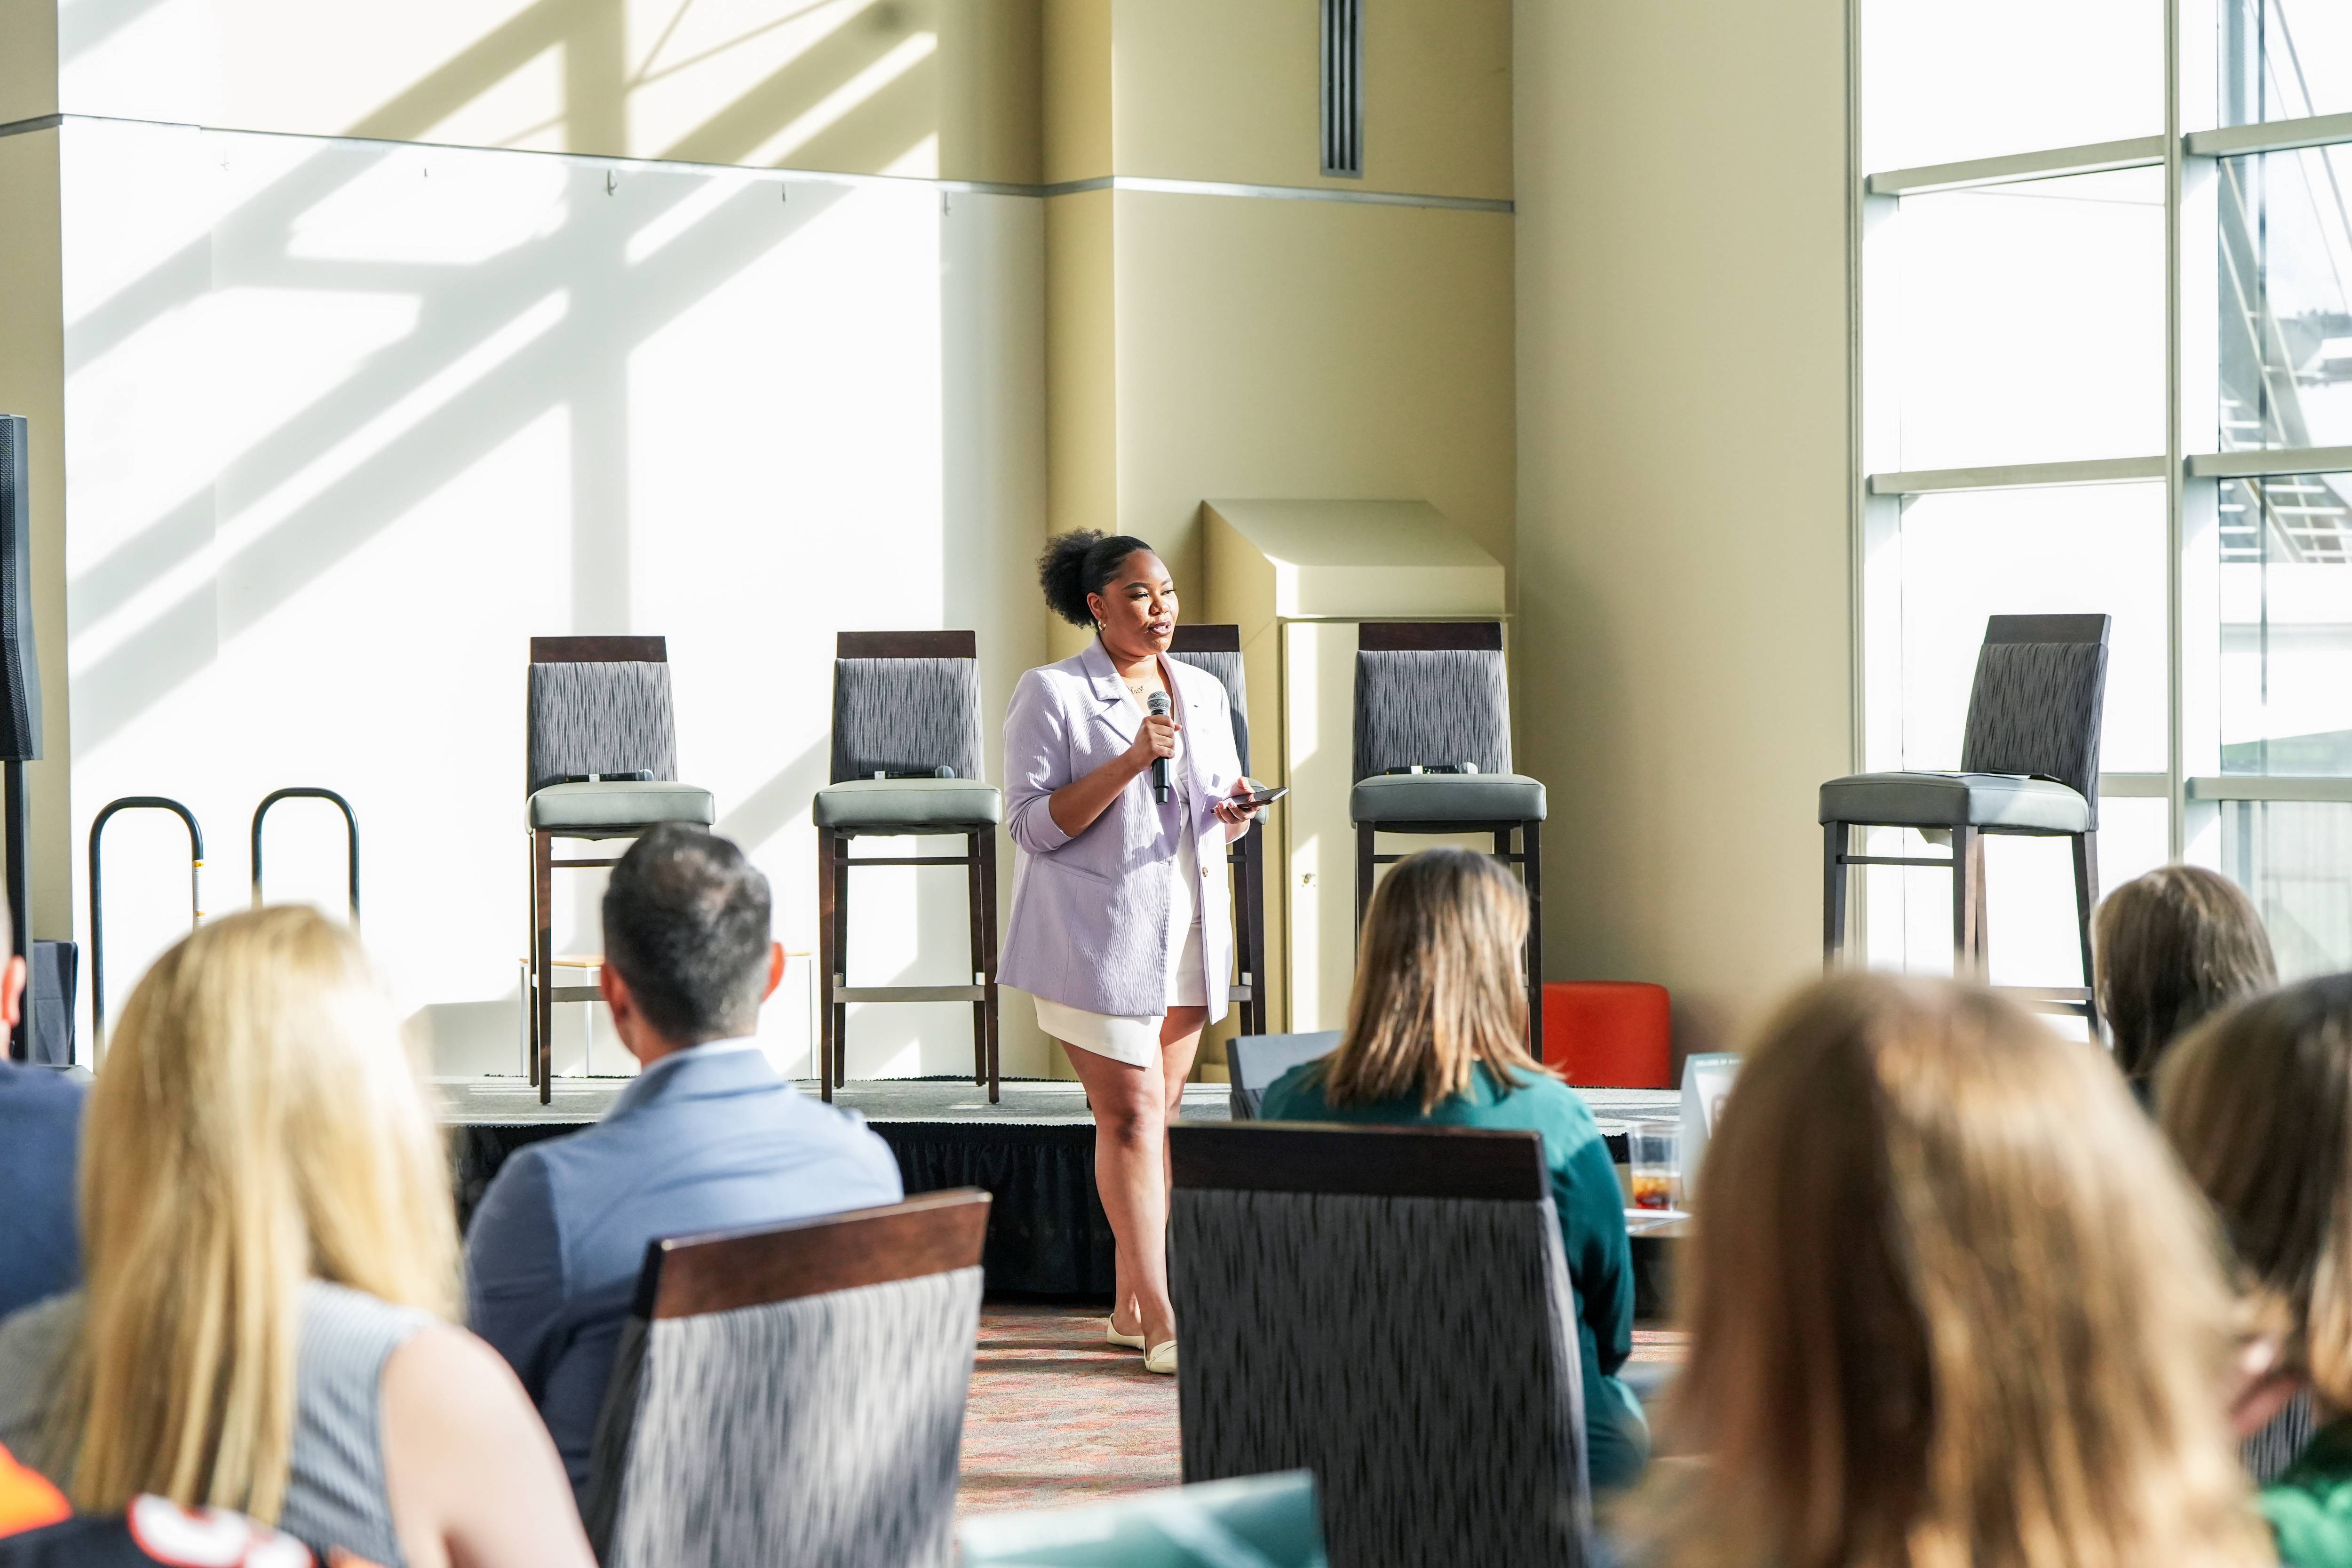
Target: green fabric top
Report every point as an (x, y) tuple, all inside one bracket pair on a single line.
[(1592, 1209), (2310, 1507)]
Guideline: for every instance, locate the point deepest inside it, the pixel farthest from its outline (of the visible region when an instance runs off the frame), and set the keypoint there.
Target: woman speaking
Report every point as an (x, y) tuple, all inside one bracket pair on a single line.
[(1120, 928)]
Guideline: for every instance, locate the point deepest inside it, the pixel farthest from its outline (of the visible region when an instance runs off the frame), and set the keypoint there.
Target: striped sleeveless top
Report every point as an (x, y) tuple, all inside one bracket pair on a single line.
[(335, 1495)]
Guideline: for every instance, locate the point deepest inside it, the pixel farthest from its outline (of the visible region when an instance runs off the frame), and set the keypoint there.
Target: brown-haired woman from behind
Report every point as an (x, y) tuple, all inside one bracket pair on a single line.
[(2258, 1104), (270, 1257), (1436, 1034), (2172, 947), (1950, 1305)]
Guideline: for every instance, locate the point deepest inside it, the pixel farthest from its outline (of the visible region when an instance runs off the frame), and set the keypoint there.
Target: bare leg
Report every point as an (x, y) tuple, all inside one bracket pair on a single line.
[(1130, 1138), (1180, 1042)]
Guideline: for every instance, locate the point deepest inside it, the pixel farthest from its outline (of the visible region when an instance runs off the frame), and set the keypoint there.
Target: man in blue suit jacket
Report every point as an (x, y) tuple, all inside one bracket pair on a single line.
[(40, 1142), (708, 1138)]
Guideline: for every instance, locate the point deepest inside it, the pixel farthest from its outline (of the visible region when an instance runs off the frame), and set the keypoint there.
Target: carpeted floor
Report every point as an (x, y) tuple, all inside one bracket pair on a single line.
[(1057, 1418)]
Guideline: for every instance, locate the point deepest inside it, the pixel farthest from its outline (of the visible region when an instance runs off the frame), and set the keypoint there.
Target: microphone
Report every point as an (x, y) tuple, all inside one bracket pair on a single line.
[(1158, 703)]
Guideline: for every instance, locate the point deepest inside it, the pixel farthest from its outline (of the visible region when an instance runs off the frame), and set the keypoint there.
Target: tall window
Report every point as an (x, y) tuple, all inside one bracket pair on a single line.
[(2105, 262)]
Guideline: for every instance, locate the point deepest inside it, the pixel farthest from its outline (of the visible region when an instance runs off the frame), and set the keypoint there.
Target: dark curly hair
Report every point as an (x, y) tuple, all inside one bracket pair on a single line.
[(1078, 563)]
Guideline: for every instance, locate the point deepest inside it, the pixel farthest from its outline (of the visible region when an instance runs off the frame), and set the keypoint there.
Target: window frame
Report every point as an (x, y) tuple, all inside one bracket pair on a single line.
[(2192, 465)]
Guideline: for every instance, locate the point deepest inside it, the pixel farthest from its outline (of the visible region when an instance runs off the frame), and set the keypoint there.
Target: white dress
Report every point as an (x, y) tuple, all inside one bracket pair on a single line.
[(1136, 1040)]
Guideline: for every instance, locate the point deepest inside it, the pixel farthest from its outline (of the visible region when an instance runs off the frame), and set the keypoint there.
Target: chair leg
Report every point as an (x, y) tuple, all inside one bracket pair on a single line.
[(2086, 898), (975, 921), (826, 958), (1253, 899), (542, 880), (1365, 871), (1964, 892), (530, 965), (988, 958), (1983, 938), (1835, 838), (841, 869), (1531, 840)]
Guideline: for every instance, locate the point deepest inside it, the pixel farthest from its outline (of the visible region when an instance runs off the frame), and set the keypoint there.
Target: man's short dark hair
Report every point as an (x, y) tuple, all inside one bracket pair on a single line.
[(685, 923)]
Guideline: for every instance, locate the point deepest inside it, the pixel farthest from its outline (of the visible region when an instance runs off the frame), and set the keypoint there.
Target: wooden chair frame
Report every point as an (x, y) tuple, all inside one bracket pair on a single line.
[(539, 968), (833, 865), (1484, 637), (1971, 926)]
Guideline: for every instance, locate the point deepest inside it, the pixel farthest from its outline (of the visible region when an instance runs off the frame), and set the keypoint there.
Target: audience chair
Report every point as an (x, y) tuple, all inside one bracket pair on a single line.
[(2029, 765), (602, 762), (1257, 1060), (793, 1395), (1389, 1308), (1218, 650), (906, 764), (1430, 696), (1262, 1521)]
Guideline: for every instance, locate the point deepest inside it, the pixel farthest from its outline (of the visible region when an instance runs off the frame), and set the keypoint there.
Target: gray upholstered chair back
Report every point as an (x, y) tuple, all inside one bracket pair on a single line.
[(1217, 650), (1407, 1333), (905, 702), (598, 705), (1257, 1060), (1432, 706), (823, 1427), (2038, 701)]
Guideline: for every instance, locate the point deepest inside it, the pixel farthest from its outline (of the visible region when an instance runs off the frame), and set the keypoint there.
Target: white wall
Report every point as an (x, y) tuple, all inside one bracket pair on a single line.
[(348, 422)]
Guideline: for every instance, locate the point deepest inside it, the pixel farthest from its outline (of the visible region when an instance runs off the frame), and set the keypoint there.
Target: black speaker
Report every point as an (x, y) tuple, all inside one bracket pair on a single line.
[(20, 670)]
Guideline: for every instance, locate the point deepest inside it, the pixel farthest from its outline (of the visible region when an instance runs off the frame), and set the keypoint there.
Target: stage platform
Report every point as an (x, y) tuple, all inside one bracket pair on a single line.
[(1032, 1150)]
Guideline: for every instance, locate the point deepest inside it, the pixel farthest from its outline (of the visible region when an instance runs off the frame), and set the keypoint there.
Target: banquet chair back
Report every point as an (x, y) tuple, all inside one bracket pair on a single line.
[(1389, 1308), (1217, 650), (793, 1395)]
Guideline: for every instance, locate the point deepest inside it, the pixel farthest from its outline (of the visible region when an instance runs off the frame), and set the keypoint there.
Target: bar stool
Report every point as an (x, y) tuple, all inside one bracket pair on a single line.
[(1434, 755), (2029, 765), (906, 764), (1218, 650), (602, 762)]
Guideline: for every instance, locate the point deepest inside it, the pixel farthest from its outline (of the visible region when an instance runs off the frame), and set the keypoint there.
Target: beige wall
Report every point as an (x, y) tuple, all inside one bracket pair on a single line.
[(28, 60), (1210, 344), (1683, 603), (1227, 89), (32, 382), (945, 88), (1314, 351)]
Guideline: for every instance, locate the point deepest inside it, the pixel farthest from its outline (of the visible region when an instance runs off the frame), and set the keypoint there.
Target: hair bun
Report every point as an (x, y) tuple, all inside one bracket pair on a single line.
[(1078, 563)]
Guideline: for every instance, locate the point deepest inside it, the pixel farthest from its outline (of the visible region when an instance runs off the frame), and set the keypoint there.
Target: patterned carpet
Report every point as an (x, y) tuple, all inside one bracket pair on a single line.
[(1057, 1418)]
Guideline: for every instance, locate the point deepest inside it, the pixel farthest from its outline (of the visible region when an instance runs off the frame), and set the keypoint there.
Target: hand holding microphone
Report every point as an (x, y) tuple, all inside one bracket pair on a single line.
[(1157, 705)]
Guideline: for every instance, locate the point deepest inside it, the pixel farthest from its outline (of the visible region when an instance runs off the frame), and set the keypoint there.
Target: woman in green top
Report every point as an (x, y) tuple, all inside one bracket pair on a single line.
[(1434, 1036), (2258, 1104)]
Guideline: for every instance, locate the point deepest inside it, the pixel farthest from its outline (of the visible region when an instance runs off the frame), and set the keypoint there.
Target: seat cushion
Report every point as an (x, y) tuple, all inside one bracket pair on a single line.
[(611, 807), (1446, 797), (1998, 803), (871, 806)]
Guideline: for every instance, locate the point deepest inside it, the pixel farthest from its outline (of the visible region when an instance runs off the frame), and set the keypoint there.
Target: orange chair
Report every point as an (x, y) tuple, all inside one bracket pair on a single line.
[(1606, 1033)]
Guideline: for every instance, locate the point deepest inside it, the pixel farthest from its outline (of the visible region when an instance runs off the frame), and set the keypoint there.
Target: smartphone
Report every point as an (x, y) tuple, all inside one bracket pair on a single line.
[(1263, 798)]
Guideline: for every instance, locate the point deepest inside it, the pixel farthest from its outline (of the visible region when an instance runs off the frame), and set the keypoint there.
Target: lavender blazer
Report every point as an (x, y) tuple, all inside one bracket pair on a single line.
[(1089, 926)]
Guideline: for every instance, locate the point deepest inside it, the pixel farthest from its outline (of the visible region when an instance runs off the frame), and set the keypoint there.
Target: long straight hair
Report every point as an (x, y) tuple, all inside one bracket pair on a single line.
[(1950, 1305), (1437, 985), (257, 1123)]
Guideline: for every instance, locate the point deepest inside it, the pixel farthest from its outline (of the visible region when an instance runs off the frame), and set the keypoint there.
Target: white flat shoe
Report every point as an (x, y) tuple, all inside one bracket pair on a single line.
[(1162, 1359), (1125, 1342)]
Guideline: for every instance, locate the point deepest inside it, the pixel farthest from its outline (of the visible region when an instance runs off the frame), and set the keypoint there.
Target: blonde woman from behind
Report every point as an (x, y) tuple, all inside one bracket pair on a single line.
[(1951, 1306), (269, 1264)]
